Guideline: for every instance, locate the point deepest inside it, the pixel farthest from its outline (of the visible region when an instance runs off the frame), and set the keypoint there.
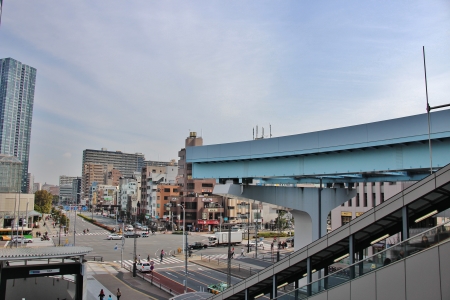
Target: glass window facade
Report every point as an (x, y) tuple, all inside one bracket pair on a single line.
[(17, 85)]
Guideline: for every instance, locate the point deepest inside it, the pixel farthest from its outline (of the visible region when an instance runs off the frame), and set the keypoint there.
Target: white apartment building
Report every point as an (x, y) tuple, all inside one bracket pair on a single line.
[(369, 194), (158, 175)]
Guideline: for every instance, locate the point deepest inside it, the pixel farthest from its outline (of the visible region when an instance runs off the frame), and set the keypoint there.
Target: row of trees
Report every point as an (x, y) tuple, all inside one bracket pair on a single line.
[(43, 202)]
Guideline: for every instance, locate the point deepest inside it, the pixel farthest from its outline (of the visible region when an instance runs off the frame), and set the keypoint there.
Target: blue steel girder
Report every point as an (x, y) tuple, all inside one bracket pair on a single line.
[(378, 177), (383, 148), (397, 163)]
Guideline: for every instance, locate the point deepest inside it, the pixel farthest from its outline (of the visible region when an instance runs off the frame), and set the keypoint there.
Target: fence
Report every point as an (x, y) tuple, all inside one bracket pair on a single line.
[(161, 282)]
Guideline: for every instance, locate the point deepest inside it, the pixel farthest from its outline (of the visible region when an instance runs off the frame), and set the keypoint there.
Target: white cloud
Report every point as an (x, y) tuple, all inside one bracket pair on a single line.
[(137, 75)]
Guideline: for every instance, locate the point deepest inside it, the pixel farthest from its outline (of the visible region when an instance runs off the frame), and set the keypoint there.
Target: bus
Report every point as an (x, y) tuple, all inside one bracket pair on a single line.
[(5, 233)]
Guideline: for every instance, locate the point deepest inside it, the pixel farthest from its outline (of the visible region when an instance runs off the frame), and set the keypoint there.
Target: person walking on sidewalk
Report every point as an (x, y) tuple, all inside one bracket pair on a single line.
[(118, 294), (102, 294), (148, 258), (161, 255), (242, 251)]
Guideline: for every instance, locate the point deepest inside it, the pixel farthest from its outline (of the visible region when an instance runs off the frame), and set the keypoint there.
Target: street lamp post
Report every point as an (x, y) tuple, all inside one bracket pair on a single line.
[(185, 246)]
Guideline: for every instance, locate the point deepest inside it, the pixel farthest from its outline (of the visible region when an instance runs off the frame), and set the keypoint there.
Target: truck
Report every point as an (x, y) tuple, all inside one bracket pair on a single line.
[(221, 238), (217, 288)]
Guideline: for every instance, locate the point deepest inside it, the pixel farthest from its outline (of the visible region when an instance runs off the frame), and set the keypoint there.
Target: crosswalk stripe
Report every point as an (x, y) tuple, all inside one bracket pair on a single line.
[(166, 261)]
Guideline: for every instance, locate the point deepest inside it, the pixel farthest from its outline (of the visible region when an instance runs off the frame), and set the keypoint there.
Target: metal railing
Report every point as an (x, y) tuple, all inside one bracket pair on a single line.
[(94, 258), (397, 252), (224, 262), (153, 280)]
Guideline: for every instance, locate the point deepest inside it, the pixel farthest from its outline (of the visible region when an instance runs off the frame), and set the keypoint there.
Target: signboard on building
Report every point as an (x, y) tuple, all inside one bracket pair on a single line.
[(346, 213), (108, 198), (46, 271), (213, 210)]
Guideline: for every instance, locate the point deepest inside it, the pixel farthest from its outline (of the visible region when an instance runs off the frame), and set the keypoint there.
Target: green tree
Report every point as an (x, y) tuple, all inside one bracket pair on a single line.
[(43, 201), (64, 221)]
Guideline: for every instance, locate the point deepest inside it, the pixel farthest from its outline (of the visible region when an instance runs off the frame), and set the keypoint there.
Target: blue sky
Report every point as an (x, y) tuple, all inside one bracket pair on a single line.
[(137, 76)]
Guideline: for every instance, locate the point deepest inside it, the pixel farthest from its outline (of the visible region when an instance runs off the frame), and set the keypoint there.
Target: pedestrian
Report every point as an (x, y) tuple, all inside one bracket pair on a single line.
[(271, 247), (109, 298), (118, 294), (102, 294), (148, 258), (232, 252), (139, 258), (161, 255), (242, 251)]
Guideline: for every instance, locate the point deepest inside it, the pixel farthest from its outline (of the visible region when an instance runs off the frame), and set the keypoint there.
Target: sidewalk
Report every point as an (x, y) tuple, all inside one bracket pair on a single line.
[(104, 276)]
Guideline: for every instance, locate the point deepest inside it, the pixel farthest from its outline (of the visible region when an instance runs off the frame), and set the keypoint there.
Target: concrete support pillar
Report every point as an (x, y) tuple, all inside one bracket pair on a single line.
[(274, 287), (405, 223), (308, 275), (246, 295), (351, 252), (303, 229)]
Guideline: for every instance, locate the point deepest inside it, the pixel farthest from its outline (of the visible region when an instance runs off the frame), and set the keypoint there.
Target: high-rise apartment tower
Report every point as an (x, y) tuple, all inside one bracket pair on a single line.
[(17, 83)]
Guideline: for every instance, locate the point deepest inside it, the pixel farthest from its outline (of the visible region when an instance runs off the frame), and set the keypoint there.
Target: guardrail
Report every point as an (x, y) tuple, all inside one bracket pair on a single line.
[(94, 258), (224, 262), (156, 279)]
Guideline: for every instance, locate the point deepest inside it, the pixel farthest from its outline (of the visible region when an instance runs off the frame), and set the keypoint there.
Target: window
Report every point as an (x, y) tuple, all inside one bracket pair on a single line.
[(207, 185), (175, 190), (365, 200), (166, 190), (191, 205), (357, 200), (190, 186), (191, 216), (166, 197), (345, 219), (157, 198), (157, 205), (350, 202)]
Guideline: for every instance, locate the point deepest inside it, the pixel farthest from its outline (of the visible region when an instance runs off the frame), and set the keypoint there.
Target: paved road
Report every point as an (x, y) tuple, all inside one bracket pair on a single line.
[(172, 267)]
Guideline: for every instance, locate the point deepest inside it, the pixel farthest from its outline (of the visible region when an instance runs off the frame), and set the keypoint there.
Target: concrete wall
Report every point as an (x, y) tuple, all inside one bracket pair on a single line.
[(8, 202), (422, 276), (40, 288)]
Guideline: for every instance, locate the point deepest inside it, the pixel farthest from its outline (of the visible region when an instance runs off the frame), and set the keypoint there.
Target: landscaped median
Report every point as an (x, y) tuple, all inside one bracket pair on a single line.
[(109, 228)]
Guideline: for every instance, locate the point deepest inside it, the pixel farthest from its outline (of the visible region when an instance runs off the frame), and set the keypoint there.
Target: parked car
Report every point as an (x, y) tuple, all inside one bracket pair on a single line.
[(138, 225), (143, 267), (129, 228), (114, 236), (144, 228), (144, 234), (198, 245)]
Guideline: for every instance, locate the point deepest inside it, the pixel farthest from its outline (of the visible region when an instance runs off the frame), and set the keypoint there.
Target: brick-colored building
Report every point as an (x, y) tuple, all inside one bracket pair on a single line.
[(203, 210)]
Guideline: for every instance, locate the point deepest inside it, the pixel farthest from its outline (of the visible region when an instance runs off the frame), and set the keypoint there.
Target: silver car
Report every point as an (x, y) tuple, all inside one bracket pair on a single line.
[(114, 236)]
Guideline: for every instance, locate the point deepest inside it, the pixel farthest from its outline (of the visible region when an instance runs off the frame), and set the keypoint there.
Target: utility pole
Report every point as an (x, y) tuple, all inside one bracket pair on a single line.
[(229, 258), (134, 253), (75, 225), (123, 244)]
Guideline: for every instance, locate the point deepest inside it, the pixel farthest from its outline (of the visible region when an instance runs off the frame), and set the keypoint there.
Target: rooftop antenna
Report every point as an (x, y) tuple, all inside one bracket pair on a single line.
[(429, 108), (253, 133), (256, 131), (262, 133), (270, 130)]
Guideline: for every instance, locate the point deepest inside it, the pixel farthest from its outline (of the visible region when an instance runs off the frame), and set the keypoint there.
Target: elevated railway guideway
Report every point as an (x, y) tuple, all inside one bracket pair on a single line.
[(415, 266), (272, 170)]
